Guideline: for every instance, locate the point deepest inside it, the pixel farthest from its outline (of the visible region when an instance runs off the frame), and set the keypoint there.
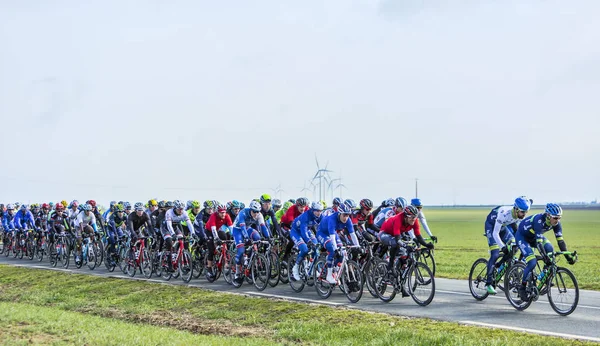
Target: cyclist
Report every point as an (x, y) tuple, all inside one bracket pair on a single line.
[(531, 233), (243, 232), (8, 221), (279, 214), (96, 212), (233, 209), (85, 223), (116, 225), (24, 218), (386, 212), (416, 202), (58, 222), (301, 233), (500, 226), (73, 210), (172, 224), (218, 228), (329, 239), (392, 229), (363, 219), (268, 214), (109, 211), (334, 207), (137, 220), (276, 205), (152, 206), (290, 215), (384, 204)]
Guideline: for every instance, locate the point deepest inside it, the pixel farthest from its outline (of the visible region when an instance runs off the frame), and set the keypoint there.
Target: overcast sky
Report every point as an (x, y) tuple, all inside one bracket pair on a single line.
[(482, 101)]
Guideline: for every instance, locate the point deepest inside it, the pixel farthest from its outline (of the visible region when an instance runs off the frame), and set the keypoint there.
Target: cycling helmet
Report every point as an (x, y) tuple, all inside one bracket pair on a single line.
[(208, 204), (276, 203), (91, 202), (316, 206), (410, 210), (139, 206), (153, 203), (265, 198), (35, 206), (350, 203), (87, 207), (389, 202), (522, 204), (118, 208), (59, 207), (242, 205), (177, 204), (10, 207), (195, 204), (221, 208), (553, 209), (215, 203), (74, 203), (127, 206), (64, 203), (254, 206), (188, 204), (324, 204), (344, 209), (302, 201), (416, 202), (291, 200), (113, 203), (51, 204), (236, 204), (161, 204), (400, 202), (169, 204), (24, 207), (366, 203), (45, 206), (336, 201)]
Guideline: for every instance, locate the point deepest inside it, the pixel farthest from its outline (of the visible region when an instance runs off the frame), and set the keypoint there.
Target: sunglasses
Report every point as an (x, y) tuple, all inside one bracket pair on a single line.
[(556, 217), (254, 211), (411, 216)]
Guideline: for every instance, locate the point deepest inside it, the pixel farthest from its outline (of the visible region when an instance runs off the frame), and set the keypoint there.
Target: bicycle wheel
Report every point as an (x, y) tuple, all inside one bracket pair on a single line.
[(130, 263), (383, 285), (296, 285), (65, 255), (323, 288), (52, 254), (30, 248), (283, 272), (260, 271), (563, 293), (229, 270), (199, 263), (426, 257), (146, 264), (274, 266), (352, 282), (368, 276), (164, 270), (91, 256), (421, 284), (40, 249), (512, 280), (100, 252), (186, 270), (122, 261), (477, 279), (111, 261)]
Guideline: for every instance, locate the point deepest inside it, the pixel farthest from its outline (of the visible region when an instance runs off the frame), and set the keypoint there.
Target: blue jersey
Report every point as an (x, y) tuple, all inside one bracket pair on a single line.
[(22, 218), (534, 227), (330, 224), (304, 222), (8, 221), (383, 215), (244, 220)]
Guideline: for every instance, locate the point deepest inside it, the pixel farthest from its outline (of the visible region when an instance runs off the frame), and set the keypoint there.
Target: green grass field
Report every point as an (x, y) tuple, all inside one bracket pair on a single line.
[(48, 307), (461, 241)]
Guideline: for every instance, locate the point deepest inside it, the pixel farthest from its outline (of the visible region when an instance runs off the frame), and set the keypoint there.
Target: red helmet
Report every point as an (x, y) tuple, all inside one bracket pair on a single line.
[(45, 206), (59, 206), (91, 202), (221, 208)]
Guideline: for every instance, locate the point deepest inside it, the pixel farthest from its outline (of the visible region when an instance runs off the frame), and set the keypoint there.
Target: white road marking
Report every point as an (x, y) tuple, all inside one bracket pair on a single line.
[(534, 331), (293, 298)]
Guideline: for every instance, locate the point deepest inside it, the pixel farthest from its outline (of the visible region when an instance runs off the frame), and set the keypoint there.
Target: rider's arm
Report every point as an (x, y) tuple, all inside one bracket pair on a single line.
[(350, 228), (559, 238), (423, 222), (496, 233)]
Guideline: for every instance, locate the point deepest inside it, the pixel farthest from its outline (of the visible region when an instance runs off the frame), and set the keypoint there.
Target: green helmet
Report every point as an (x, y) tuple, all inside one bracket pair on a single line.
[(265, 198)]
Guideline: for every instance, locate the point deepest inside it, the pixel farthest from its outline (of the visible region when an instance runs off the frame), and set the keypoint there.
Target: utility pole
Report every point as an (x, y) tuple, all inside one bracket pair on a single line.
[(416, 187)]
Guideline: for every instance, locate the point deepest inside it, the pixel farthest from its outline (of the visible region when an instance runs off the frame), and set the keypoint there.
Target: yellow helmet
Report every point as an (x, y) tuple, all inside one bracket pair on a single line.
[(153, 202), (64, 203)]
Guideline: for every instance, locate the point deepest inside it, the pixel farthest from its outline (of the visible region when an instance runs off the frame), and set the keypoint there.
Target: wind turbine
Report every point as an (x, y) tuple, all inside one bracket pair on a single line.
[(278, 190), (320, 175), (305, 188)]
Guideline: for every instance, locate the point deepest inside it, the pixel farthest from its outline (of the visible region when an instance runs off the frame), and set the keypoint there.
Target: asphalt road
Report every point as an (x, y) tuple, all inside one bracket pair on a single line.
[(452, 302)]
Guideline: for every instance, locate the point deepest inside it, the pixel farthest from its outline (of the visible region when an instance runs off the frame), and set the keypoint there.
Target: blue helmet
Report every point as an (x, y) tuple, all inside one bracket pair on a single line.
[(401, 202), (416, 202), (553, 209), (350, 203), (337, 201), (236, 204), (389, 202), (344, 209), (522, 203)]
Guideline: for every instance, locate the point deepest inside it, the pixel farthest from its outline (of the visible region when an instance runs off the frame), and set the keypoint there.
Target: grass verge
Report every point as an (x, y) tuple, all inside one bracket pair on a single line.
[(196, 311)]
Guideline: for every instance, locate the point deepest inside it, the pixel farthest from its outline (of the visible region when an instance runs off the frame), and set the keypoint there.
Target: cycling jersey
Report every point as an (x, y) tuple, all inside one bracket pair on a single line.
[(329, 211), (331, 224), (269, 216), (215, 223), (8, 221), (84, 220), (532, 228), (423, 222), (395, 225), (303, 223), (384, 214), (291, 214), (244, 221), (135, 222), (23, 218), (171, 217), (497, 223)]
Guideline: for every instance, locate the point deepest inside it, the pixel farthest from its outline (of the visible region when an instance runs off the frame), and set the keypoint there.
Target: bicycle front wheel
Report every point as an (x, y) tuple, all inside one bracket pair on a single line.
[(421, 284), (274, 266), (426, 257), (186, 270), (477, 279), (260, 271), (563, 293), (352, 281), (512, 281)]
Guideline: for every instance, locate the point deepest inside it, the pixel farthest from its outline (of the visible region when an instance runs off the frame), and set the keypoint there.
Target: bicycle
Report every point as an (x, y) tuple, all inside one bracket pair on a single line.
[(274, 264), (558, 282), (415, 276), (177, 262), (199, 255), (138, 257), (60, 251), (9, 243), (305, 269), (113, 259), (87, 253), (18, 247), (478, 273), (221, 265), (41, 246), (348, 277), (426, 257), (255, 267), (30, 243), (367, 262)]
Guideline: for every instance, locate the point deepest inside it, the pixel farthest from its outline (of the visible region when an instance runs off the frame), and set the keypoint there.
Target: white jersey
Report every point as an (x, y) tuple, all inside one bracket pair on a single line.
[(504, 217), (73, 214), (171, 217), (85, 220), (423, 223), (327, 212)]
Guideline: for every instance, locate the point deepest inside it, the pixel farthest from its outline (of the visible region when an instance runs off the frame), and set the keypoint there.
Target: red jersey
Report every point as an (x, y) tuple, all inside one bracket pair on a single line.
[(291, 214), (358, 218), (215, 220), (395, 225)]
